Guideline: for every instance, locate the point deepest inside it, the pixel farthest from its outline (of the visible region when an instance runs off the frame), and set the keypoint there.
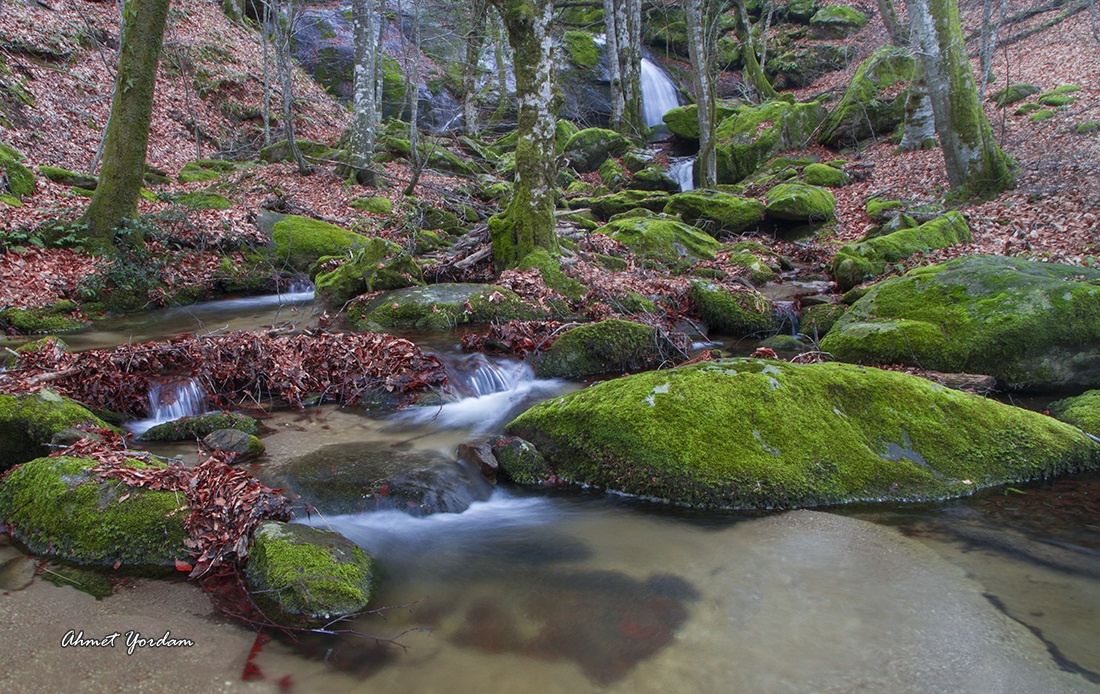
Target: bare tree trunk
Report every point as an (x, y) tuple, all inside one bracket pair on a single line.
[(701, 64), (988, 43), (411, 69), (976, 166), (283, 32), (629, 26), (528, 222), (756, 77), (899, 34), (364, 106), (611, 51), (920, 121), (475, 38), (265, 29), (127, 136)]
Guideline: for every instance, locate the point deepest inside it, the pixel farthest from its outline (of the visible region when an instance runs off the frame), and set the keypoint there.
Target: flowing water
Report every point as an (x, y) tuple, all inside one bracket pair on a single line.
[(659, 93), (683, 172), (575, 591)]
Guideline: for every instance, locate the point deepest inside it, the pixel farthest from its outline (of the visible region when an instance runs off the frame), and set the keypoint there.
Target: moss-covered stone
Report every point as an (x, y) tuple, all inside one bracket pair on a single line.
[(29, 422), (435, 154), (20, 180), (837, 22), (754, 134), (300, 241), (313, 152), (683, 121), (195, 427), (878, 207), (551, 273), (856, 262), (246, 446), (1012, 93), (69, 178), (580, 49), (56, 318), (1082, 411), (801, 10), (607, 206), (521, 462), (1026, 109), (377, 265), (442, 307), (825, 175), (818, 320), (799, 202), (1031, 325), (374, 204), (210, 169), (760, 271), (311, 575), (57, 508), (732, 313), (1041, 115), (663, 238), (589, 148), (714, 212), (610, 346), (745, 433), (874, 103), (653, 177), (1087, 127), (203, 200)]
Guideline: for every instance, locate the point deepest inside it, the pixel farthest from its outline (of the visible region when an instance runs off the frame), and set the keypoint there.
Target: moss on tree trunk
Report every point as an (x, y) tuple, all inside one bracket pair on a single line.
[(127, 139)]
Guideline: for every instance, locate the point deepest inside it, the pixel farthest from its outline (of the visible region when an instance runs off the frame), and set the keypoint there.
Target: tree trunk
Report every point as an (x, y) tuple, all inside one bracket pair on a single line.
[(475, 39), (899, 34), (611, 52), (701, 63), (127, 138), (284, 26), (265, 29), (920, 121), (412, 99), (629, 25), (753, 72), (988, 43), (976, 166), (528, 222), (364, 109)]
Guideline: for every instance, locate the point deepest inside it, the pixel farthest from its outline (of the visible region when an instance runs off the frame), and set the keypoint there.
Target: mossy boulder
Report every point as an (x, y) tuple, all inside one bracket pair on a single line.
[(246, 446), (1031, 325), (873, 105), (732, 313), (300, 241), (356, 478), (308, 575), (607, 206), (434, 153), (581, 49), (198, 426), (203, 200), (760, 434), (442, 307), (856, 262), (312, 152), (19, 179), (683, 121), (714, 212), (609, 346), (56, 507), (837, 22), (798, 202), (1012, 93), (59, 317), (69, 178), (551, 273), (801, 10), (818, 320), (754, 134), (663, 238), (1082, 411), (589, 148), (373, 204), (29, 422), (209, 169), (653, 177), (377, 265), (613, 175), (825, 175)]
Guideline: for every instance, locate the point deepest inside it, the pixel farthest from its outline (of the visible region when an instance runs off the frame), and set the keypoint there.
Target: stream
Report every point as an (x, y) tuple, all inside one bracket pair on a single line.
[(577, 590)]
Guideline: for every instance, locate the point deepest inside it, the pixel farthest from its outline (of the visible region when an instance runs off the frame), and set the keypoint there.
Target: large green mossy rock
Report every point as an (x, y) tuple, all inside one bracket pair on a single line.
[(837, 22), (663, 238), (210, 169), (589, 148), (799, 202), (747, 433), (312, 152), (683, 121), (378, 265), (203, 200), (19, 179), (856, 262), (716, 213), (442, 307), (1082, 411), (754, 134), (56, 318), (874, 103), (193, 427), (29, 422), (310, 576), (301, 241), (56, 507), (825, 175), (435, 154), (607, 206), (1013, 93), (609, 346), (732, 313), (1031, 325)]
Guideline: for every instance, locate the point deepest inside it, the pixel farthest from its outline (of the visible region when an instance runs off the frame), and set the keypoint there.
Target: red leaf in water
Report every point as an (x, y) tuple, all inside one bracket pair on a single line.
[(183, 566)]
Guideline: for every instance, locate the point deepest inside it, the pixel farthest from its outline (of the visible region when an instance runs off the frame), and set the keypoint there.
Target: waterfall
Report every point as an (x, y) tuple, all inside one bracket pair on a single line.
[(171, 400), (786, 315), (484, 377), (659, 94), (683, 172)]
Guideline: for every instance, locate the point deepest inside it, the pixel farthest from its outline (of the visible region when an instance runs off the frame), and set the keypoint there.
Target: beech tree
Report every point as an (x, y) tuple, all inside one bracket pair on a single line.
[(700, 25), (364, 117), (528, 221), (976, 166), (623, 48), (127, 137)]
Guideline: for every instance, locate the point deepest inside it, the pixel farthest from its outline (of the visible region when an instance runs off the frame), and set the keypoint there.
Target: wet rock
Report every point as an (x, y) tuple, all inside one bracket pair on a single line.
[(245, 445), (29, 422), (732, 313), (479, 453), (193, 427), (608, 346)]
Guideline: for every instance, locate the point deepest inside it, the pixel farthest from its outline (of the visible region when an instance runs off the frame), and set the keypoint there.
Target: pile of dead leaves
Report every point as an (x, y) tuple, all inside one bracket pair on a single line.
[(516, 338), (347, 368)]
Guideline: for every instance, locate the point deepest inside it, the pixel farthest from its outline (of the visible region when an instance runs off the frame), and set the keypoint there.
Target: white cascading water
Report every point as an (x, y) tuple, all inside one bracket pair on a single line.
[(683, 172), (659, 93), (171, 400)]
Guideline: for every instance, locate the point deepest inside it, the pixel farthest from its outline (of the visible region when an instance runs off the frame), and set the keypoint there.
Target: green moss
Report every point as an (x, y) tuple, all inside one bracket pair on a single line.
[(301, 241), (714, 212), (311, 575), (376, 266), (744, 433), (85, 580), (610, 262), (729, 313), (442, 307), (203, 200), (800, 202), (374, 204), (856, 262), (1031, 325), (1056, 100), (521, 461), (581, 49), (434, 154), (663, 239), (1041, 115), (1012, 93), (69, 178), (589, 148), (878, 207), (837, 22), (759, 271), (1027, 108), (56, 508), (824, 175), (683, 121), (818, 320), (20, 180), (551, 273), (28, 422), (209, 169), (313, 152), (607, 206), (606, 347), (1082, 411), (612, 174), (1087, 127), (753, 134), (56, 318), (197, 426), (11, 201)]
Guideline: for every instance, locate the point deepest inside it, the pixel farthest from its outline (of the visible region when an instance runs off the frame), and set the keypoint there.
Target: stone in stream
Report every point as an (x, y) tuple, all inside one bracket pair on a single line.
[(245, 445), (29, 422), (750, 433)]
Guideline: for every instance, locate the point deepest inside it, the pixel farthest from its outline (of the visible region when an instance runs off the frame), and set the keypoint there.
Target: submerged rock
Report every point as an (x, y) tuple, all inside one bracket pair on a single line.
[(310, 576), (56, 507), (748, 433), (352, 478), (29, 422), (1031, 325)]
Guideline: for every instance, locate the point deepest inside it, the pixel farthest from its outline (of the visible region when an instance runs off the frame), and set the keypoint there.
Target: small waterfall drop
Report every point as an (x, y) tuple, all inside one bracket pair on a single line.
[(683, 172), (659, 93), (787, 316), (171, 400)]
